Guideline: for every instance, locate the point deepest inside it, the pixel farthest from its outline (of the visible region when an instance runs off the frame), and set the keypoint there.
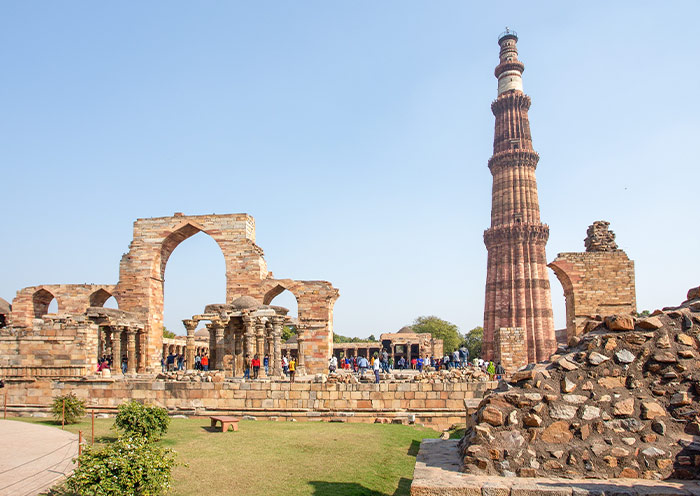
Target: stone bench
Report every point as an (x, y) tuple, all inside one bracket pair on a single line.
[(225, 421)]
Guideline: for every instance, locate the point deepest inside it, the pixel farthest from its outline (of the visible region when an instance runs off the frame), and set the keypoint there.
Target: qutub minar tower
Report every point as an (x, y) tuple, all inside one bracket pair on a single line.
[(518, 301)]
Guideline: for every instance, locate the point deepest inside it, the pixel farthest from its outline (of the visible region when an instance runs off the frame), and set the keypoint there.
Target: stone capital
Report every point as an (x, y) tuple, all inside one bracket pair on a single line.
[(190, 325)]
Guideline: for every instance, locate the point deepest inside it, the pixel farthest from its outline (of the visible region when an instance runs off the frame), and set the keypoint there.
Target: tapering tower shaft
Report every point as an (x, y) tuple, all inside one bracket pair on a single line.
[(517, 283)]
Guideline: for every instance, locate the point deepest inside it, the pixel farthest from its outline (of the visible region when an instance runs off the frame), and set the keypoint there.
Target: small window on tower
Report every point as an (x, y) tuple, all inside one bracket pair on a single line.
[(518, 218)]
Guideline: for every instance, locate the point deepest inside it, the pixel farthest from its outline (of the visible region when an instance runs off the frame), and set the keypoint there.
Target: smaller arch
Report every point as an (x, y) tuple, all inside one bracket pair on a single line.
[(569, 298), (100, 297), (41, 300)]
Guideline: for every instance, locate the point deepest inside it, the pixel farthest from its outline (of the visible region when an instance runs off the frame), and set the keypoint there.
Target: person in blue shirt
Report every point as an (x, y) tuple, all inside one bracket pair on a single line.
[(266, 364)]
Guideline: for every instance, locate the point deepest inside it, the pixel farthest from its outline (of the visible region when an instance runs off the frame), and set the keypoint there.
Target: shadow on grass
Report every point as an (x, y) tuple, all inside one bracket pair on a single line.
[(322, 488), (413, 449)]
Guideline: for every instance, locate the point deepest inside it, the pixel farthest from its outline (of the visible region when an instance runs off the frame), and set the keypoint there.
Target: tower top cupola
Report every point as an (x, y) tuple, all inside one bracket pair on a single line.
[(510, 70)]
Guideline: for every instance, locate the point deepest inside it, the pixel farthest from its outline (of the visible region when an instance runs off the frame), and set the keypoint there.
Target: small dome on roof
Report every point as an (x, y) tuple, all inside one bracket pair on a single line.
[(245, 302), (4, 307), (406, 330), (203, 332)]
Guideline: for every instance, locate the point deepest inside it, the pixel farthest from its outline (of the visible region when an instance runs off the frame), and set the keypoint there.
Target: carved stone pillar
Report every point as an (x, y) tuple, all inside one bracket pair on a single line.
[(301, 337), (249, 333), (260, 343), (142, 351), (117, 350), (276, 355), (238, 347), (212, 345), (131, 350), (190, 326), (220, 346)]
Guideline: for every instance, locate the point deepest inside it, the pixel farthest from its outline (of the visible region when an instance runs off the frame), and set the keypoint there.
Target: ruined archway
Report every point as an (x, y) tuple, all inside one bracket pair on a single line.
[(102, 298), (569, 299), (41, 301)]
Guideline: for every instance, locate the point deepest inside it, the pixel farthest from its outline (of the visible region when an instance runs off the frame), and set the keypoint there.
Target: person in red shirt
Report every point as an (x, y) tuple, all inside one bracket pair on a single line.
[(205, 362), (256, 366)]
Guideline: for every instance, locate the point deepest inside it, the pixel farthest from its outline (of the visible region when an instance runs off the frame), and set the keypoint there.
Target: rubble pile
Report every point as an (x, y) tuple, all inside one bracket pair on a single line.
[(453, 375), (620, 401), (192, 376)]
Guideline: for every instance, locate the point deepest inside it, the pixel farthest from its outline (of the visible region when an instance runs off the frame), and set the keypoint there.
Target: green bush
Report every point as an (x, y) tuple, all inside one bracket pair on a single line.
[(128, 466), (137, 420), (75, 408)]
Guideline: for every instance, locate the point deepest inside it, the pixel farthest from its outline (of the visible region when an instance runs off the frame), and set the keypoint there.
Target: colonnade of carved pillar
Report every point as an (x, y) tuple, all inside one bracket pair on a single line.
[(240, 338), (111, 344)]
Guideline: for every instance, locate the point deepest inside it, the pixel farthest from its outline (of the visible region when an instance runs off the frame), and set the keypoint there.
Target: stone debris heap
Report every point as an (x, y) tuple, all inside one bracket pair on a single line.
[(620, 401)]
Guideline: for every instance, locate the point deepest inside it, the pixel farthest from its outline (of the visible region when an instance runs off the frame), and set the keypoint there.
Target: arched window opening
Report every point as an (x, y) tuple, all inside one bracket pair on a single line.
[(44, 302), (287, 300), (194, 277), (102, 298)]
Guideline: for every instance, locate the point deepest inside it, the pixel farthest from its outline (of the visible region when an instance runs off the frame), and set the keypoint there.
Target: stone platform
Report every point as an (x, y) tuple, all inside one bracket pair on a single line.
[(437, 474), (438, 405)]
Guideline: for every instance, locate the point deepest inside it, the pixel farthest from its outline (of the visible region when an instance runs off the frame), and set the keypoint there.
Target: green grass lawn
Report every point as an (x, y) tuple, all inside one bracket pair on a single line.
[(286, 458)]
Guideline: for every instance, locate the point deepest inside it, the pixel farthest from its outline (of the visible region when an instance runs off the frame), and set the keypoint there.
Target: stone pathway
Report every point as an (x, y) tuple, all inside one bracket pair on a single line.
[(34, 457), (437, 473)]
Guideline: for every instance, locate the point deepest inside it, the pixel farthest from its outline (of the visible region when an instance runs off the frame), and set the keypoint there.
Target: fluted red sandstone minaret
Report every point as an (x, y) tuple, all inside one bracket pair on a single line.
[(517, 282)]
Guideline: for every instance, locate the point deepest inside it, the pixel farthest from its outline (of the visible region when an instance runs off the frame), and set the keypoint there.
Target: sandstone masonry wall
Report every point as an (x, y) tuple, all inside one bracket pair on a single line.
[(595, 283), (438, 404)]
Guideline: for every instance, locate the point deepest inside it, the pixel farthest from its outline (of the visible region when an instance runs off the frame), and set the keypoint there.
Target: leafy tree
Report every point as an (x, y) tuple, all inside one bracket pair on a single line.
[(337, 338), (288, 332), (438, 328), (371, 338), (643, 314), (74, 408), (167, 333), (128, 466), (473, 341), (137, 420)]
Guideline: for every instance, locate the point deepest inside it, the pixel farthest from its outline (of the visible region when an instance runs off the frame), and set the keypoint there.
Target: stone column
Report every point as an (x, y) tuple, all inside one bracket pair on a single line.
[(276, 355), (260, 343), (212, 345), (238, 347), (300, 352), (220, 346), (117, 350), (190, 326), (142, 351), (131, 350), (249, 327)]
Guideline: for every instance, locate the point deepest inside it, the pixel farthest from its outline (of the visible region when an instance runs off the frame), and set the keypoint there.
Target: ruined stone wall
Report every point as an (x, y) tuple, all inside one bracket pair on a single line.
[(53, 347), (32, 302), (595, 283), (434, 403), (510, 348)]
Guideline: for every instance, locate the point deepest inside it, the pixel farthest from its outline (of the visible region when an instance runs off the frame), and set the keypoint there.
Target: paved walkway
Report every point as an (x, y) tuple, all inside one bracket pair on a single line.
[(34, 457)]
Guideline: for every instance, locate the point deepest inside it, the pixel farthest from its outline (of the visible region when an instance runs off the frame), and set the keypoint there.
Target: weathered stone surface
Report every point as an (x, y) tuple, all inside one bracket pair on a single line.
[(686, 340), (680, 399), (567, 385), (665, 357), (557, 432), (560, 411), (575, 399), (624, 356), (590, 412), (619, 322), (650, 323), (532, 420), (491, 415), (595, 358), (624, 408), (652, 410)]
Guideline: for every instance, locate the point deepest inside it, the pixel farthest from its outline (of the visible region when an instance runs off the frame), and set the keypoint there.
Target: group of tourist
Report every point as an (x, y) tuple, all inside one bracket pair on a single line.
[(105, 363), (458, 359)]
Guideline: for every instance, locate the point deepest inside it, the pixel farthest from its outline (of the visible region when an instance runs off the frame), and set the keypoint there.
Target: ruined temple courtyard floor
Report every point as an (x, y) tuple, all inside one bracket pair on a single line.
[(285, 458)]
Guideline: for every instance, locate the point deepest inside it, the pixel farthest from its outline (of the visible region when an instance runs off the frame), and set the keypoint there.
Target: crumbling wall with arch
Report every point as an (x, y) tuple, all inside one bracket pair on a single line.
[(141, 279), (33, 302)]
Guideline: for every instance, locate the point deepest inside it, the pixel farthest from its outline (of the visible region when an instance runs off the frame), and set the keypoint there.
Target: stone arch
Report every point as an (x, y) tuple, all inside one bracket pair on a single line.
[(569, 297), (100, 297), (41, 300)]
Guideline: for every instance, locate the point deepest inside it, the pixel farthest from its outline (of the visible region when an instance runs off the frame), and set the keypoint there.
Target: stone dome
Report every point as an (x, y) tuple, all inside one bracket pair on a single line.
[(245, 302), (202, 333), (406, 330), (4, 307)]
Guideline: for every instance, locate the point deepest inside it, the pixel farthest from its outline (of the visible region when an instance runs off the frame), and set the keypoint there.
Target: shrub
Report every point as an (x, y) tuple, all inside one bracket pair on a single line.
[(137, 420), (128, 466), (75, 408)]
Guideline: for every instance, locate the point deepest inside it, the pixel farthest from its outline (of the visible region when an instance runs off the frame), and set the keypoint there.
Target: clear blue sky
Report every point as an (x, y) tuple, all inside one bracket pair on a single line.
[(356, 133)]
